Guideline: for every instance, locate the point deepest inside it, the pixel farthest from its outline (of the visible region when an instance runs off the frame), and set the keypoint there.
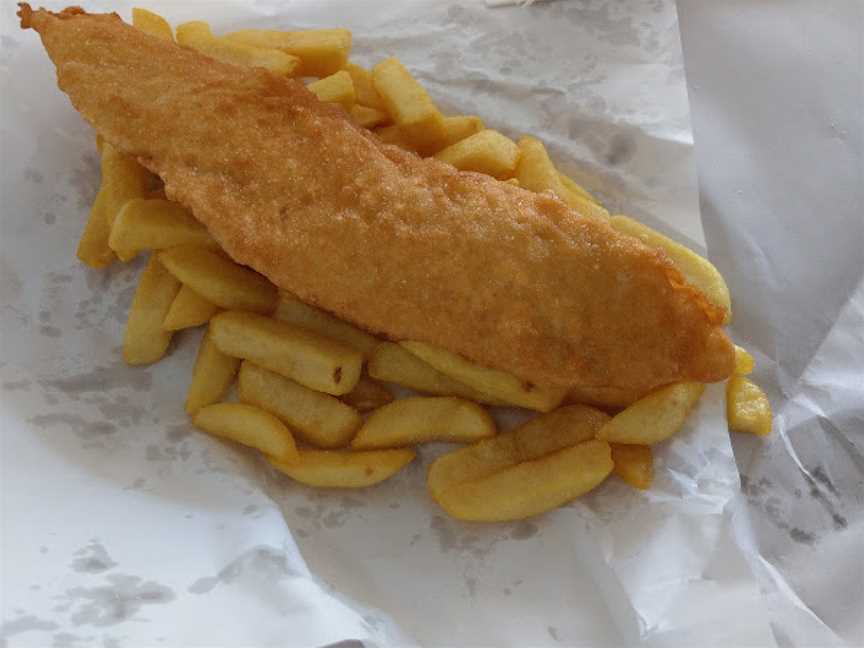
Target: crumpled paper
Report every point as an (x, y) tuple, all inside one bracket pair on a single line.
[(129, 528)]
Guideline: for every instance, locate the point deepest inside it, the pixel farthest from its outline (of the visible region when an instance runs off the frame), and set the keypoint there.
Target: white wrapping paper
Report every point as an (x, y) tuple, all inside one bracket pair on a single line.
[(125, 527)]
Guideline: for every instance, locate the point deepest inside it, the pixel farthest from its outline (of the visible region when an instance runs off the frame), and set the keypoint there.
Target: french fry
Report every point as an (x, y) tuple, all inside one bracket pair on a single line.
[(575, 188), (584, 206), (212, 376), (151, 23), (345, 469), (540, 465), (219, 280), (187, 310), (532, 487), (603, 397), (744, 362), (697, 270), (293, 311), (513, 181), (366, 117), (336, 88), (420, 419), (543, 435), (458, 127), (123, 179), (93, 249), (392, 363), (364, 88), (634, 464), (487, 152), (535, 170), (322, 52), (747, 407), (320, 419), (250, 426), (497, 385), (419, 120), (393, 135), (367, 395), (197, 35), (155, 224), (307, 358), (145, 340), (654, 418)]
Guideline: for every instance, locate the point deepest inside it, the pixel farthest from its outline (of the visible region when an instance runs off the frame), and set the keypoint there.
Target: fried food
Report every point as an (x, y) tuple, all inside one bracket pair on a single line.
[(337, 88), (145, 340), (538, 466), (345, 469), (747, 407), (187, 310), (413, 248), (313, 361), (212, 376), (250, 426), (421, 419), (318, 418), (322, 52), (487, 152), (634, 464), (654, 418)]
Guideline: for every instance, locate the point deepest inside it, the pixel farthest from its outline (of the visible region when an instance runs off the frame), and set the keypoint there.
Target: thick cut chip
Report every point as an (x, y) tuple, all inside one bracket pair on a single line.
[(536, 171), (458, 127), (145, 340), (604, 397), (151, 23), (155, 224), (293, 311), (487, 152), (393, 135), (367, 395), (574, 187), (187, 310), (322, 52), (409, 104), (364, 87), (497, 385), (696, 269), (336, 88), (531, 487), (744, 362), (212, 376), (220, 280), (319, 418), (368, 117), (542, 435), (309, 359), (747, 407), (419, 419), (654, 418), (634, 464), (93, 248), (392, 363), (197, 35), (345, 469), (123, 179), (250, 426)]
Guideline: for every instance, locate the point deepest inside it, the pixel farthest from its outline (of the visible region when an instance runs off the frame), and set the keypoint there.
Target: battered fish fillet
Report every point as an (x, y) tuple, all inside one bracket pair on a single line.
[(405, 247)]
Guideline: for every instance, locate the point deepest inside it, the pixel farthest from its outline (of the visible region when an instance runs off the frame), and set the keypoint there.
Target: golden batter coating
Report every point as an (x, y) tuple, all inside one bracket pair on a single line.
[(405, 247)]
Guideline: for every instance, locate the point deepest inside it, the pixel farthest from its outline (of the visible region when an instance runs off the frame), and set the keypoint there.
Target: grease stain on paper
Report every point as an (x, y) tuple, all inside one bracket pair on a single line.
[(119, 600), (92, 559)]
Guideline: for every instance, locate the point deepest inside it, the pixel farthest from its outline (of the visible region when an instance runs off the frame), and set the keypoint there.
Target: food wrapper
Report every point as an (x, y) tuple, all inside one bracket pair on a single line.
[(123, 526)]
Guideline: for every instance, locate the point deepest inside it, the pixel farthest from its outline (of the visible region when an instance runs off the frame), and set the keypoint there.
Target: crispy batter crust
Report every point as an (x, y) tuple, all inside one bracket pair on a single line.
[(402, 246)]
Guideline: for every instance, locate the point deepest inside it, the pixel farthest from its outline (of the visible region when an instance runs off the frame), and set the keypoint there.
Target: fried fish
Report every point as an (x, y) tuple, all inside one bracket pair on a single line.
[(405, 247)]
